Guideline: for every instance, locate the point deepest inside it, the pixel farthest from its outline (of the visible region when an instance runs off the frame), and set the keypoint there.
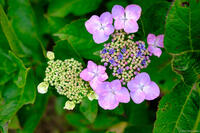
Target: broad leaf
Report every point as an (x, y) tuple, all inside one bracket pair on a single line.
[(24, 23), (183, 27), (89, 109), (179, 111), (80, 41), (61, 8), (14, 98), (15, 44)]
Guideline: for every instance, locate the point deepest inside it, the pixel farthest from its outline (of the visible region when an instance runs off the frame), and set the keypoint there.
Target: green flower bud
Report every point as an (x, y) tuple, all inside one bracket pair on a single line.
[(43, 87), (50, 55), (69, 105)]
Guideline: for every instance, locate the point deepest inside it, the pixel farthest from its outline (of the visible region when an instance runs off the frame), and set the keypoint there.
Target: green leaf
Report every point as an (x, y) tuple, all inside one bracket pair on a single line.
[(30, 115), (188, 66), (77, 120), (89, 109), (20, 78), (153, 17), (15, 44), (14, 98), (179, 111), (160, 72), (24, 23), (61, 8), (80, 41), (183, 27)]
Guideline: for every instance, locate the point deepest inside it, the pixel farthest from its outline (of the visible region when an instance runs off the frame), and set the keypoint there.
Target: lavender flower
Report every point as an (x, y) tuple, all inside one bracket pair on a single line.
[(143, 88), (95, 74), (126, 18), (111, 94), (100, 27), (154, 44)]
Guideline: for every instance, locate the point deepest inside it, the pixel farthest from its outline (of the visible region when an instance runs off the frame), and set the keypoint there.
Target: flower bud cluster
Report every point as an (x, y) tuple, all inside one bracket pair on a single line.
[(124, 56), (64, 75)]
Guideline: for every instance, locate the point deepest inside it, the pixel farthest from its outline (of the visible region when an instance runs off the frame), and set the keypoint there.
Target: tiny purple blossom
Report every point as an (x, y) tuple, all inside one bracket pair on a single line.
[(143, 88), (126, 18), (94, 74), (154, 43), (111, 94), (100, 27)]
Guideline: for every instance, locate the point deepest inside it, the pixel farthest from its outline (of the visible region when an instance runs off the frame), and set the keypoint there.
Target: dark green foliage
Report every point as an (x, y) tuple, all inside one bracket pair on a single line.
[(29, 28)]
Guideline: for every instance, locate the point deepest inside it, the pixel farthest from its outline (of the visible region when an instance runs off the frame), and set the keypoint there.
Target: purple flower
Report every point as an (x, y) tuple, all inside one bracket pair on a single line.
[(154, 44), (111, 51), (126, 18), (95, 74), (143, 88), (120, 56), (100, 27), (119, 71), (112, 61), (123, 50), (104, 51), (111, 94)]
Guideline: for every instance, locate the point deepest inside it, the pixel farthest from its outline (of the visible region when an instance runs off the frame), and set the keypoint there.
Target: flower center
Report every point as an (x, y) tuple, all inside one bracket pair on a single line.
[(124, 56)]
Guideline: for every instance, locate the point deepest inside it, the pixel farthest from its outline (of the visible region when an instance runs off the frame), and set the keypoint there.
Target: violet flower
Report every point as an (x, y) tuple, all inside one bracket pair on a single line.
[(142, 88), (111, 94), (100, 27), (154, 43), (126, 18), (94, 74)]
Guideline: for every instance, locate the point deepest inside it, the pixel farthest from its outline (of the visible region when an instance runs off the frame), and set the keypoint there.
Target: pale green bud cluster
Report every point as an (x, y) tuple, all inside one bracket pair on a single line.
[(64, 76)]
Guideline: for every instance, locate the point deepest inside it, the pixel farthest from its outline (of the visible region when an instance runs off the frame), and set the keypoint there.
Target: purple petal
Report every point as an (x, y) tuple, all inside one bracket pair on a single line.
[(99, 36), (122, 95), (102, 77), (117, 12), (103, 88), (86, 75), (116, 85), (156, 51), (92, 67), (106, 18), (131, 26), (151, 38), (101, 69), (119, 24), (133, 85), (151, 91), (133, 12), (92, 24), (94, 83), (108, 102), (160, 40), (108, 29), (138, 96)]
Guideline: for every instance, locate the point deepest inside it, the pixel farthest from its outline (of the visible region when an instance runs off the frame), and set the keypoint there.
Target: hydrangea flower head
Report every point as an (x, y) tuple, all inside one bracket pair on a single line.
[(127, 58), (142, 88), (111, 94), (126, 18), (65, 77), (154, 43), (100, 27), (94, 74)]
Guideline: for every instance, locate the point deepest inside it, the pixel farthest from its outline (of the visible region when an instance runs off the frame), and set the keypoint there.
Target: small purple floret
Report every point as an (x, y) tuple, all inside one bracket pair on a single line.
[(111, 51)]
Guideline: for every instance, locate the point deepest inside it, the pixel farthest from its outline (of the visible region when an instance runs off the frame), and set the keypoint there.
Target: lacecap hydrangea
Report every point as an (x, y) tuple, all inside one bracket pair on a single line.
[(124, 55), (64, 76)]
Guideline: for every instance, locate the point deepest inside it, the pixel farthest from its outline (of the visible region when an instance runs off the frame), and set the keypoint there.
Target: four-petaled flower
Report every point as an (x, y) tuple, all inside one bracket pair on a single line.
[(154, 43), (126, 18), (111, 94), (94, 74), (143, 88), (100, 27)]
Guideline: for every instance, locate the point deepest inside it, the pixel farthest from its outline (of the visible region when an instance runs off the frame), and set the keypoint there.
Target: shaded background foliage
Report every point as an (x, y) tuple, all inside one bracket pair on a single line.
[(28, 28)]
